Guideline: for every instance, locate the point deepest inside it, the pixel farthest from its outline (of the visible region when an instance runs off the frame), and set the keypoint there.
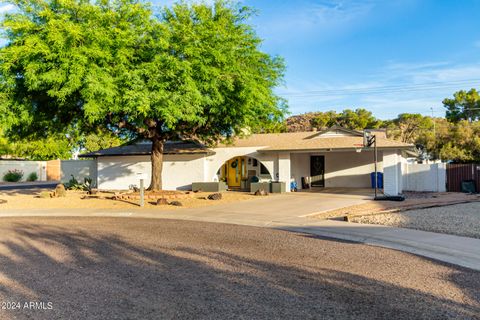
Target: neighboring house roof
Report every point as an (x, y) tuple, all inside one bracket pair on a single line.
[(145, 148), (331, 139)]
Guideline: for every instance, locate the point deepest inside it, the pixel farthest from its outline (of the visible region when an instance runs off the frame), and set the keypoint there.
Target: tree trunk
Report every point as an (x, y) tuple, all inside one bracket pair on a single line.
[(157, 164)]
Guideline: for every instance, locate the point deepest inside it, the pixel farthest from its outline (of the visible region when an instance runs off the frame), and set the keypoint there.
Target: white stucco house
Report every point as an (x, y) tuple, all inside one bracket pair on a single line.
[(335, 157)]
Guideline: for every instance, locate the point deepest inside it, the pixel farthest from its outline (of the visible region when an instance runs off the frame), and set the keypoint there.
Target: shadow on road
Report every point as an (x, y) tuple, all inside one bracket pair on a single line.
[(155, 269)]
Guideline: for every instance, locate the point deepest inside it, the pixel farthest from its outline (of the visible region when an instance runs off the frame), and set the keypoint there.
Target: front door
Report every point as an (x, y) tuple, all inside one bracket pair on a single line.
[(317, 171), (234, 172)]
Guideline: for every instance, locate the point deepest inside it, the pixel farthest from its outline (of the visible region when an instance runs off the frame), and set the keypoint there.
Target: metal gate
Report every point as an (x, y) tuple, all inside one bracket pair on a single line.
[(456, 173)]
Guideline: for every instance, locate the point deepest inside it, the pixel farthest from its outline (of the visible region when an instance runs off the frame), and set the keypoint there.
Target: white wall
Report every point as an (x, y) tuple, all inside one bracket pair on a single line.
[(424, 177), (284, 169), (39, 167), (80, 169), (392, 172), (179, 171), (347, 169)]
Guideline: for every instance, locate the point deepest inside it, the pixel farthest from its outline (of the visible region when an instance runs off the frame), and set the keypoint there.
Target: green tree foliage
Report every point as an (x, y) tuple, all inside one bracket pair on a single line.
[(408, 127), (358, 119), (100, 140), (459, 142), (191, 72), (464, 106), (52, 147)]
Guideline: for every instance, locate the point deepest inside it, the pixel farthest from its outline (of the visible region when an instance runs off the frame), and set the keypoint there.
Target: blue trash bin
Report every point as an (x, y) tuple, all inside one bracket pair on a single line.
[(379, 180)]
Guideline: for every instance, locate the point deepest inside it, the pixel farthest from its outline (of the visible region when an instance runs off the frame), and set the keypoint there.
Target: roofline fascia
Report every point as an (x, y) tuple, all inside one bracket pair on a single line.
[(139, 154), (332, 149)]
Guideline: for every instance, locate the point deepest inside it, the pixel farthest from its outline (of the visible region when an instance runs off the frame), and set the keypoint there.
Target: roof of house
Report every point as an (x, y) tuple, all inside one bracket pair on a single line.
[(335, 138), (340, 138), (145, 148)]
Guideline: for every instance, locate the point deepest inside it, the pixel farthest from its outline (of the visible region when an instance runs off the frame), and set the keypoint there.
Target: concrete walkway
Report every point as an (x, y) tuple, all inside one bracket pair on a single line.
[(290, 212)]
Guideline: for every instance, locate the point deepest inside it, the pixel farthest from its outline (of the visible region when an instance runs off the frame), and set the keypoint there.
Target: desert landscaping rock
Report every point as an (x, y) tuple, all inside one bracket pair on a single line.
[(161, 201), (461, 219), (175, 203), (261, 192), (215, 196), (123, 268), (59, 192)]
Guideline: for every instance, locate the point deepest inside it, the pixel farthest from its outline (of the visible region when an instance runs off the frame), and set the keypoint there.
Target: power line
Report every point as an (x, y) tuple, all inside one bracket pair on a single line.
[(383, 89)]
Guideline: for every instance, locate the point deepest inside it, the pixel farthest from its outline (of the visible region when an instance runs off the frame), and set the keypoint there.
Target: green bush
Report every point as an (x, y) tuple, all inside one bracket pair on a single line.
[(32, 176), (73, 184), (13, 175)]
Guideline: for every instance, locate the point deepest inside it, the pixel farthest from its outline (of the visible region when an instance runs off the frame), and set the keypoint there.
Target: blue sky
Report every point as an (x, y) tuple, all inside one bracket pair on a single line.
[(386, 56)]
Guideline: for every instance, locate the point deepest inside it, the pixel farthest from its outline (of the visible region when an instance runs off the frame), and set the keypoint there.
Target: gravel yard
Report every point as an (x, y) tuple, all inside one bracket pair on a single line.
[(114, 268), (460, 219)]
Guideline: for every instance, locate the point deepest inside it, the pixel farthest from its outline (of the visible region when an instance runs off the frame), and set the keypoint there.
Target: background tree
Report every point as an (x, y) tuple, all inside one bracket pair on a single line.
[(358, 120), (195, 72), (464, 106), (407, 127), (322, 120)]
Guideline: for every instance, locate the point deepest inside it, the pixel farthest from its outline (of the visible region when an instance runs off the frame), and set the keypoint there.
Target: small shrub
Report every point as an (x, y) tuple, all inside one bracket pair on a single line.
[(13, 175), (73, 184), (32, 176)]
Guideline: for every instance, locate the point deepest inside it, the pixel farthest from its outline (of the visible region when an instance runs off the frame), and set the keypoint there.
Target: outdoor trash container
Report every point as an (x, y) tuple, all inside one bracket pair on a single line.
[(468, 186), (379, 180)]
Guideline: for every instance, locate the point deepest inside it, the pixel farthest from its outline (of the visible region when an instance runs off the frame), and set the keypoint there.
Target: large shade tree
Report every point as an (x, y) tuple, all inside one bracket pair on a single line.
[(192, 71)]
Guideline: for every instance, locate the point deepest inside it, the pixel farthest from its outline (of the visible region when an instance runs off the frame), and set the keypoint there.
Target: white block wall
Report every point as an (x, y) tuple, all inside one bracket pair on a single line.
[(392, 173), (179, 171), (425, 177), (39, 167), (80, 169)]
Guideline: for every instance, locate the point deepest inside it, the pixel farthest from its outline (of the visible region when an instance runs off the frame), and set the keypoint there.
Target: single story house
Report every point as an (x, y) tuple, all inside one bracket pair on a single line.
[(335, 157)]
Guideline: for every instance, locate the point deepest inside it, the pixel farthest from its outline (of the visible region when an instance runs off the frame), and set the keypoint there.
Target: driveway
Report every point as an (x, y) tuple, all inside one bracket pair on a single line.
[(271, 209), (117, 268)]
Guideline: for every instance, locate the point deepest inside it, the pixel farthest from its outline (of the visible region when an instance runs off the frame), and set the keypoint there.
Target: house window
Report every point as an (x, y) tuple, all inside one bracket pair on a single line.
[(255, 163), (263, 169)]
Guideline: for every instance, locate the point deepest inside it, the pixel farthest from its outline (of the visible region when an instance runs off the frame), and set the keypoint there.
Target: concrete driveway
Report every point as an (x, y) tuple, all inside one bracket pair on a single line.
[(271, 209)]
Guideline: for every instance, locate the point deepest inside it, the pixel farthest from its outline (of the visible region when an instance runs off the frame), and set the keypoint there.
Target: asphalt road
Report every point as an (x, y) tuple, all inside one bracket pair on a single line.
[(25, 186), (129, 268)]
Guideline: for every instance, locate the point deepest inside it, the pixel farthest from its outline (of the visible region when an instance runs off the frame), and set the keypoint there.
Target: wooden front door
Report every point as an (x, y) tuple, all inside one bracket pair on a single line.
[(317, 171), (234, 172)]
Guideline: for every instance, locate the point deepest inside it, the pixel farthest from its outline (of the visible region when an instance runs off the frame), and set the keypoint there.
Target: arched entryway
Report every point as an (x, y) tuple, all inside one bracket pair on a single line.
[(239, 172)]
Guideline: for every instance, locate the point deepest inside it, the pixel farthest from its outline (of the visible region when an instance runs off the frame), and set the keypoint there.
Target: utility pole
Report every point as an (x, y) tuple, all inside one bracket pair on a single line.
[(434, 131)]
